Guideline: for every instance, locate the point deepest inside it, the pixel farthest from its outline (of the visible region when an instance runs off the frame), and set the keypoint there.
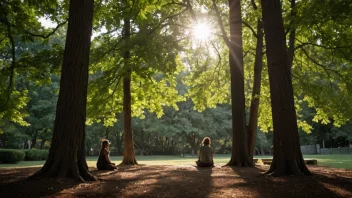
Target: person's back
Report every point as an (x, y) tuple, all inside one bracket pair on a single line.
[(206, 154)]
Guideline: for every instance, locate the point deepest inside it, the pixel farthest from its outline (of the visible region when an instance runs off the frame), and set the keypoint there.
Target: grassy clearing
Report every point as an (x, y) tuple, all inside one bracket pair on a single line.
[(336, 161)]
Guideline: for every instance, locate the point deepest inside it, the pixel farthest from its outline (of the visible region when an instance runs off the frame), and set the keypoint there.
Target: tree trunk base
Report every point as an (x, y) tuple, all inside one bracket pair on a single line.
[(130, 161), (289, 167), (240, 163), (60, 171)]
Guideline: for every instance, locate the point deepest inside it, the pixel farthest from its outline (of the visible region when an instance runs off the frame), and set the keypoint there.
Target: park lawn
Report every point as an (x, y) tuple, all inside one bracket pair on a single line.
[(180, 181), (335, 161)]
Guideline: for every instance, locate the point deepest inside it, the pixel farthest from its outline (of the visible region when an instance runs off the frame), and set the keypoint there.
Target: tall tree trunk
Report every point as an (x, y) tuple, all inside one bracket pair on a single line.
[(66, 156), (261, 150), (107, 131), (254, 108), (119, 140), (42, 143), (240, 155), (142, 145), (128, 155), (292, 36), (288, 159), (34, 139)]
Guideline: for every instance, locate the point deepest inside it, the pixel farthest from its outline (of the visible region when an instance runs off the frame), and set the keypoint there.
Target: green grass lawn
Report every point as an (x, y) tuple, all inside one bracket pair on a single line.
[(336, 161)]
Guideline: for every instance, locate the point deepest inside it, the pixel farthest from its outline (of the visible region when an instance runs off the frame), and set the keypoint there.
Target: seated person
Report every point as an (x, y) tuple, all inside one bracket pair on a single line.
[(104, 162), (205, 154)]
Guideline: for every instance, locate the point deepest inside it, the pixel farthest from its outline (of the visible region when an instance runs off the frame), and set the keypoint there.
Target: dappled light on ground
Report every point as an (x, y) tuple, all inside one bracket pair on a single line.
[(181, 181), (337, 161), (338, 190)]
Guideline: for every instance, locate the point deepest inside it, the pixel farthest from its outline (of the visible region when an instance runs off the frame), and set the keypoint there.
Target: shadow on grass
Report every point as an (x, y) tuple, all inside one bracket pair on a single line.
[(317, 185), (178, 181)]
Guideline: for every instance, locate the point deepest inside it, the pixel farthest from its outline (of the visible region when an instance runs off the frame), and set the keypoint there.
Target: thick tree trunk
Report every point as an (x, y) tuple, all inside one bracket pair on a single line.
[(254, 108), (66, 156), (288, 159), (128, 156), (240, 155)]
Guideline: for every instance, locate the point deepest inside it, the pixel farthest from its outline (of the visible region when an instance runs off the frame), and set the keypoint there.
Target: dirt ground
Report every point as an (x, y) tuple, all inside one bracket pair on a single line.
[(181, 181)]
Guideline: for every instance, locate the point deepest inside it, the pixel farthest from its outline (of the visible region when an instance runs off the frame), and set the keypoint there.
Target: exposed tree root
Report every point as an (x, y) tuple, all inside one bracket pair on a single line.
[(61, 168), (288, 167)]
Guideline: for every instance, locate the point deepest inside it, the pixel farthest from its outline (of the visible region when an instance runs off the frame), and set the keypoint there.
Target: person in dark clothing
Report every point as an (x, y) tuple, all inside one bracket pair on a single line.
[(104, 162), (205, 154)]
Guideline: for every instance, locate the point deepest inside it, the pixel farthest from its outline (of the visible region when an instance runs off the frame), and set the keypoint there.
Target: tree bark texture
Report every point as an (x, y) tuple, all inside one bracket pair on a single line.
[(128, 155), (292, 36), (287, 159), (254, 108), (67, 152), (240, 155)]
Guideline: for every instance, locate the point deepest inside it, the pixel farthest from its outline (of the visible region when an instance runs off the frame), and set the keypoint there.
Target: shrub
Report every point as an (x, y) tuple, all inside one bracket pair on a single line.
[(11, 155), (36, 155)]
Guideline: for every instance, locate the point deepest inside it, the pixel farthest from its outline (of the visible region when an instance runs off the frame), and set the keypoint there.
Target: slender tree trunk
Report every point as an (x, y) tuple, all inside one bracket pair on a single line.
[(34, 139), (254, 108), (128, 156), (66, 156), (107, 131), (173, 144), (142, 144), (261, 150), (288, 159), (119, 139), (42, 143), (240, 155)]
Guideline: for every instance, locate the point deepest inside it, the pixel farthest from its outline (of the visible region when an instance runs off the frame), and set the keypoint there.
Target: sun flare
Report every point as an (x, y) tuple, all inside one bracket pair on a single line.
[(201, 31)]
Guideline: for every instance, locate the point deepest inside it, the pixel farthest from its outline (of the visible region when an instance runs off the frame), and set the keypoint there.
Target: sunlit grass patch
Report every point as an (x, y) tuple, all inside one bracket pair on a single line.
[(336, 161)]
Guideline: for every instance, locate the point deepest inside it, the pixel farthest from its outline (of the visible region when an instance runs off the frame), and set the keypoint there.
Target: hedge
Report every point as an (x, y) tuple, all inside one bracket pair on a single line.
[(11, 155), (36, 155)]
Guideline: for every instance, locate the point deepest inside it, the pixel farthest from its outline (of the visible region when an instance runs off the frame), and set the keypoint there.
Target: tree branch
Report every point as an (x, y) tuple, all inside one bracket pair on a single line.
[(325, 68), (218, 64), (252, 30), (13, 61), (254, 5), (168, 17), (189, 6), (175, 3), (316, 45), (51, 33), (107, 52), (221, 24)]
